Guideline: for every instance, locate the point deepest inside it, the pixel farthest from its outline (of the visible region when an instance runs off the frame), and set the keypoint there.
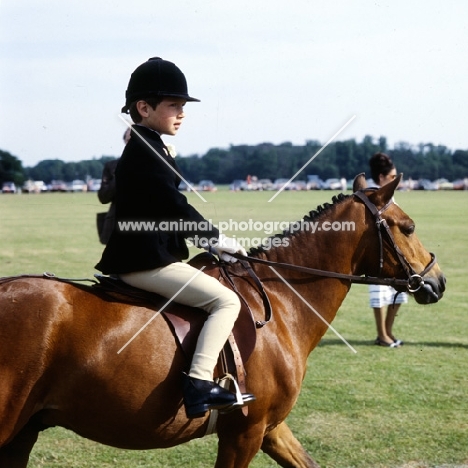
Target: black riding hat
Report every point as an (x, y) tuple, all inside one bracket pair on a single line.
[(156, 77)]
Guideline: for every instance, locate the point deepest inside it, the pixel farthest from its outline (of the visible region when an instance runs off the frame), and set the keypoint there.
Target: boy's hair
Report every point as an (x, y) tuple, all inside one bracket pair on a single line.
[(380, 163), (151, 101)]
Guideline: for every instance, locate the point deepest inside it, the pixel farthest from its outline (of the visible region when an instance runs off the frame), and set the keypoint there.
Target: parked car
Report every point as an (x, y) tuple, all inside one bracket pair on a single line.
[(460, 184), (207, 186), (425, 184), (300, 184), (28, 187), (278, 184), (249, 186), (332, 184), (185, 187), (314, 182), (34, 186), (8, 187), (58, 186), (443, 184), (77, 186), (236, 185), (265, 184)]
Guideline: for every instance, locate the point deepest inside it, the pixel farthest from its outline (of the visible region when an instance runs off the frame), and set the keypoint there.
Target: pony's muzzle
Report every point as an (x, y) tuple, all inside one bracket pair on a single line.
[(430, 290)]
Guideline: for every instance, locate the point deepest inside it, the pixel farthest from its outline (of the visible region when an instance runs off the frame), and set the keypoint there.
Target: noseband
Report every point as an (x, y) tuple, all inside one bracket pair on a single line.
[(413, 283)]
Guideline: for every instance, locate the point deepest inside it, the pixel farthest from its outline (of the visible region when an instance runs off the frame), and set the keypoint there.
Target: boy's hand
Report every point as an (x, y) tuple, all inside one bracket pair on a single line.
[(226, 246)]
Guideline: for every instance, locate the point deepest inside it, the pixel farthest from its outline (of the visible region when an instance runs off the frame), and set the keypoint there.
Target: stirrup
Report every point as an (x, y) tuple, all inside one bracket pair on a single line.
[(242, 399), (224, 382)]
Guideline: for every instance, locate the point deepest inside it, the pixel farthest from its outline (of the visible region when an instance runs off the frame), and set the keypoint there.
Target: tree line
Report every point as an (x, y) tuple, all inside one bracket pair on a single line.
[(268, 161), (340, 159), (12, 170)]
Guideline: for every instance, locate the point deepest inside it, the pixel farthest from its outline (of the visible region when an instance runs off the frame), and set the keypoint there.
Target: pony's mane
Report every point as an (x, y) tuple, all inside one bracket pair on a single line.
[(311, 216)]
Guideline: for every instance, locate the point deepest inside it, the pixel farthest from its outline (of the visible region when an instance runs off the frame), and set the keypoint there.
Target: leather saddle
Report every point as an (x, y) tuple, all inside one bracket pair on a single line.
[(186, 322)]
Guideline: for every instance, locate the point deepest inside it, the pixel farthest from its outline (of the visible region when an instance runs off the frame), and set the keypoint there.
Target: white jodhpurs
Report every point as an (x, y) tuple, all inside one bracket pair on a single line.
[(189, 286)]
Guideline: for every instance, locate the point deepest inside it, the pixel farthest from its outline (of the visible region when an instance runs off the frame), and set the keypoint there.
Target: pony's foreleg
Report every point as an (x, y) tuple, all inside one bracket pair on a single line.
[(16, 453), (237, 446), (281, 445)]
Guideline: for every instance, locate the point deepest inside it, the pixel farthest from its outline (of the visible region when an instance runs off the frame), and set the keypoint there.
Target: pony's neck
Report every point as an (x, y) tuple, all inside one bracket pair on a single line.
[(320, 240), (303, 296)]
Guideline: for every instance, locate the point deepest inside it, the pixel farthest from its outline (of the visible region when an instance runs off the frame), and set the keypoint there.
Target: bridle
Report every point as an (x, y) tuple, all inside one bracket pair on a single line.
[(414, 281)]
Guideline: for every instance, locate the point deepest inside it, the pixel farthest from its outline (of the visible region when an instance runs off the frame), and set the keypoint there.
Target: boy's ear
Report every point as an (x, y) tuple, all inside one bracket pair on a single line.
[(142, 108)]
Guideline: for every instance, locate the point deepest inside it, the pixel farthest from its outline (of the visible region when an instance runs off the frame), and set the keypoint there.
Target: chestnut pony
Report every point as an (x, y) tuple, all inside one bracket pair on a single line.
[(60, 366)]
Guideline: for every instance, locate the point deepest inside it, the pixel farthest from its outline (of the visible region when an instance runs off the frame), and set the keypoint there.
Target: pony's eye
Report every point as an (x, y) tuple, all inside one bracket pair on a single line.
[(408, 230)]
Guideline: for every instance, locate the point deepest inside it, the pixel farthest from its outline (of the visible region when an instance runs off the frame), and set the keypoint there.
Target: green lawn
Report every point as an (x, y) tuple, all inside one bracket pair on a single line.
[(404, 407)]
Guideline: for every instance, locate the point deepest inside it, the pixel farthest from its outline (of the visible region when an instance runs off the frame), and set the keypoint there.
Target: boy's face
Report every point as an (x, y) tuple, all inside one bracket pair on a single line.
[(166, 118)]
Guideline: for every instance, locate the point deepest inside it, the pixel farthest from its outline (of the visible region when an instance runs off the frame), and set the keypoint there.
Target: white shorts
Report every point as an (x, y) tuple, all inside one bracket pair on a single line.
[(382, 296)]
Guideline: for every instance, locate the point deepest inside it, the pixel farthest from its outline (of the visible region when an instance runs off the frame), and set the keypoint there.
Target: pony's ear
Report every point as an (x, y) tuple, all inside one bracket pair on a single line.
[(385, 193), (359, 182)]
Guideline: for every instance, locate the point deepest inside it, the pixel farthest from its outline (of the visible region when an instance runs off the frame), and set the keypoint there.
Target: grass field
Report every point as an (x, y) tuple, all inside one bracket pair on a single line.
[(404, 407)]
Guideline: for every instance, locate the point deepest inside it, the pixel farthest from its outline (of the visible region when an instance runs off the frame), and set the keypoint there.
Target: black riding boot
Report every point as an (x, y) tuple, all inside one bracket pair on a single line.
[(203, 395)]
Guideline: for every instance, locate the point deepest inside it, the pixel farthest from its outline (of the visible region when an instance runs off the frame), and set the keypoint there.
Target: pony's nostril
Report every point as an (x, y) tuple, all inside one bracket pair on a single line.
[(443, 282)]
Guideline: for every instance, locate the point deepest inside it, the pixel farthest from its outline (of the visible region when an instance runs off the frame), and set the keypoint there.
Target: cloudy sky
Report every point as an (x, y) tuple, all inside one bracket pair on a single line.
[(265, 71)]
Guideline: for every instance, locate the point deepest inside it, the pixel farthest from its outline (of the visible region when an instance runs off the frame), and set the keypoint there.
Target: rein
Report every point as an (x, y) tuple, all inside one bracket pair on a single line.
[(413, 283), (325, 273)]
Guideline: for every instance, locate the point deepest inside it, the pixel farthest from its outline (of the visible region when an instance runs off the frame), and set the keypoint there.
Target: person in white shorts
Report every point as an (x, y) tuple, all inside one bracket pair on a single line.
[(384, 300)]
